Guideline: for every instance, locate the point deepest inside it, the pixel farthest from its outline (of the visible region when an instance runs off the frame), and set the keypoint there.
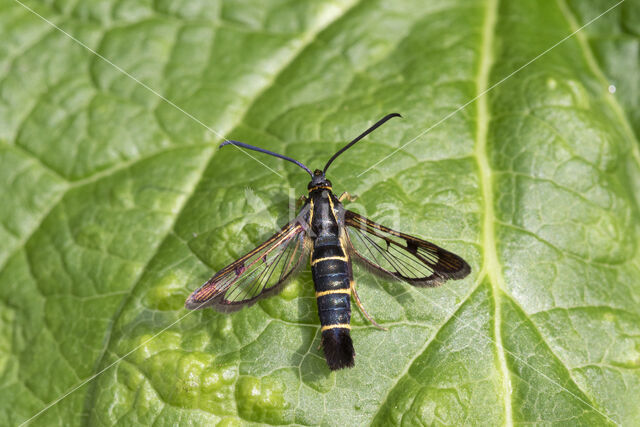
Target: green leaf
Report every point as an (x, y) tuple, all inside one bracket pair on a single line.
[(116, 204)]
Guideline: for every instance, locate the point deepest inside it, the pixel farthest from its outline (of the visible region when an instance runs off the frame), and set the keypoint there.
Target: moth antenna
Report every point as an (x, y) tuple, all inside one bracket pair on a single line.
[(262, 150), (365, 133)]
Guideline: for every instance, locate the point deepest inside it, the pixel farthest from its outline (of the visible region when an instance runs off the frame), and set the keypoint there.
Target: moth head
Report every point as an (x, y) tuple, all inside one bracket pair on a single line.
[(319, 180)]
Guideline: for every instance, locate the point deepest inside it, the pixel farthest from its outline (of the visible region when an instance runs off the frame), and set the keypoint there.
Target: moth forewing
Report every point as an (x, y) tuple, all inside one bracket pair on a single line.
[(259, 273), (399, 255)]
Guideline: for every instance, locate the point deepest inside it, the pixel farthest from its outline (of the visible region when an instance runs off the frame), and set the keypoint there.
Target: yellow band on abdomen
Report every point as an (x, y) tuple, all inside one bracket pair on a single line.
[(338, 326), (333, 291), (341, 258)]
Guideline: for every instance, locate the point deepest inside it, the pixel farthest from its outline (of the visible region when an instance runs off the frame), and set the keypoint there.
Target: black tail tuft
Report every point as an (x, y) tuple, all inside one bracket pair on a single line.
[(338, 348)]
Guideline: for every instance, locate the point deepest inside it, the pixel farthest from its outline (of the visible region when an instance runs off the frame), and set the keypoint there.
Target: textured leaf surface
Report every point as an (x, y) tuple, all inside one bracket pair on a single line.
[(115, 206)]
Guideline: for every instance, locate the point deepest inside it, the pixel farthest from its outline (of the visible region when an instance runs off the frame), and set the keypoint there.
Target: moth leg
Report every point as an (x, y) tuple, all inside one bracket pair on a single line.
[(361, 307), (347, 196), (301, 201)]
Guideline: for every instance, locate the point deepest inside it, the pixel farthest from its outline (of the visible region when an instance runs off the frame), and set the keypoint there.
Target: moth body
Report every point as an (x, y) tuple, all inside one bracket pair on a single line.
[(331, 272)]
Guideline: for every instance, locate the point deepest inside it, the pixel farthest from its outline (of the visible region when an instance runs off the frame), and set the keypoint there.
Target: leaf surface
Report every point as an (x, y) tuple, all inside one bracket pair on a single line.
[(116, 205)]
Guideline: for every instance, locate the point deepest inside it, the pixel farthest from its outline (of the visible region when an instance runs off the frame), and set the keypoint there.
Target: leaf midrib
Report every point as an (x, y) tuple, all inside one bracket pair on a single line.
[(491, 266)]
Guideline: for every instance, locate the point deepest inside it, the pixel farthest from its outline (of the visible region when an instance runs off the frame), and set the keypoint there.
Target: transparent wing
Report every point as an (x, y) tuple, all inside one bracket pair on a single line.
[(416, 261), (260, 273)]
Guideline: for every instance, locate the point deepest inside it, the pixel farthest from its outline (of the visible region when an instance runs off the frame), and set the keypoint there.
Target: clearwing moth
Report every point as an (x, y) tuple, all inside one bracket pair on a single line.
[(334, 236)]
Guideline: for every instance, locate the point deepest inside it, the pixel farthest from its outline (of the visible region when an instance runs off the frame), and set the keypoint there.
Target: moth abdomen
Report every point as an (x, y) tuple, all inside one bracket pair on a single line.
[(331, 276)]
